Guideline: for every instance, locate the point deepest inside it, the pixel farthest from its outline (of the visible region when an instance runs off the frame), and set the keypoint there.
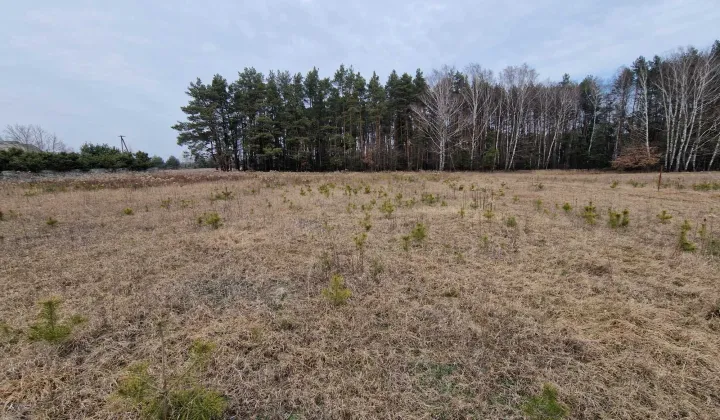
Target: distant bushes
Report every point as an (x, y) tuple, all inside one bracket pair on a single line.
[(91, 156), (636, 158)]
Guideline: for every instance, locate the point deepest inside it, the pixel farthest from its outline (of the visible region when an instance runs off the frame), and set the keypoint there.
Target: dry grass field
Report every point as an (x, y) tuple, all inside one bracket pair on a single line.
[(468, 322)]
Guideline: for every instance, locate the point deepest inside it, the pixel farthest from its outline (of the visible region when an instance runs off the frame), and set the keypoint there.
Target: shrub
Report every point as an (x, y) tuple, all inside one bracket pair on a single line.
[(633, 158), (616, 219), (225, 194), (538, 204), (684, 244), (711, 246), (50, 221), (49, 328), (511, 222), (419, 233), (706, 186), (636, 184), (590, 214), (128, 211), (388, 208), (337, 293), (324, 190), (567, 207), (614, 184), (488, 214), (360, 240), (365, 222), (417, 236), (90, 157), (210, 219), (545, 406), (462, 212), (429, 199), (664, 216), (178, 396)]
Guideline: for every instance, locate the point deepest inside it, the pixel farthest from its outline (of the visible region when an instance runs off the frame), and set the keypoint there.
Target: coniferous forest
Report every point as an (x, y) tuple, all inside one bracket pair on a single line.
[(660, 111)]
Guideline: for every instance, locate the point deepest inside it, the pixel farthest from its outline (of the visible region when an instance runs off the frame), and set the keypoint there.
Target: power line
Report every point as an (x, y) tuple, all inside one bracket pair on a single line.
[(123, 146)]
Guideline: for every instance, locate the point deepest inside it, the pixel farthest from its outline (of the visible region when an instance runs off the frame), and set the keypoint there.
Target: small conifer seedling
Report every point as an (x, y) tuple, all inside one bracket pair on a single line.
[(545, 406), (337, 293), (684, 244), (49, 327), (664, 217)]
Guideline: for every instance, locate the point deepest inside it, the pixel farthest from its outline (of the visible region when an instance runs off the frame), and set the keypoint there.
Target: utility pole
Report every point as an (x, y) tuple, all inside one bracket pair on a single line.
[(123, 146)]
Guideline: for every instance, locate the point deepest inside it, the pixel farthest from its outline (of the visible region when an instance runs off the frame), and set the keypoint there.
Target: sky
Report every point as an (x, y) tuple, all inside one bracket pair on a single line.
[(92, 70)]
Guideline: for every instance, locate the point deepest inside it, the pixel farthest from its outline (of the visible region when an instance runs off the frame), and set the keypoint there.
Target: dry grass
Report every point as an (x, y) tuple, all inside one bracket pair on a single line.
[(468, 323)]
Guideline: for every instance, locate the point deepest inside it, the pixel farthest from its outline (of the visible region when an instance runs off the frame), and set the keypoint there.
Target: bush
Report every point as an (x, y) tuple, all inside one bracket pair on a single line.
[(128, 211), (337, 293), (567, 207), (90, 157), (635, 158), (511, 222), (50, 221)]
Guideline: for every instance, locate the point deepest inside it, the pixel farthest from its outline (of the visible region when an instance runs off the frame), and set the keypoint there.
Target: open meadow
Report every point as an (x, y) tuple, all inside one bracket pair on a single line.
[(362, 295)]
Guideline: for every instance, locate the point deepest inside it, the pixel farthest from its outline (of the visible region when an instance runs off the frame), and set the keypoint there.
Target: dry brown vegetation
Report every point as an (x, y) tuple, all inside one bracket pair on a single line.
[(468, 322)]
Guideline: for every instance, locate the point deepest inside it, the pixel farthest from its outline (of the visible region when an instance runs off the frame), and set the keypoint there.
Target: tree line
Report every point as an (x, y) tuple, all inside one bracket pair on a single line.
[(31, 148), (91, 156), (664, 111)]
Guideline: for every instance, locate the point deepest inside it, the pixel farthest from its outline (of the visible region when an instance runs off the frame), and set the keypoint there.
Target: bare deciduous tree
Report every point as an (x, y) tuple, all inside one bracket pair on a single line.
[(34, 136), (478, 96), (689, 83), (518, 83), (440, 115)]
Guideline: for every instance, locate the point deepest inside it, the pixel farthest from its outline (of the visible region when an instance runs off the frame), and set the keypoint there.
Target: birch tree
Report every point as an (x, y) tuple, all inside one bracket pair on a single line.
[(440, 115), (478, 97), (517, 82)]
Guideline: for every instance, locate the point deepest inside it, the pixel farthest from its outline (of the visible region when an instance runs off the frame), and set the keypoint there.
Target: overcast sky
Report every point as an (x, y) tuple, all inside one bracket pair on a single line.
[(91, 70)]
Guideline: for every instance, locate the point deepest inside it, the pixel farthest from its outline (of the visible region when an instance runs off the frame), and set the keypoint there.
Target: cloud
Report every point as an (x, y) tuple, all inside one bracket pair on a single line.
[(208, 47), (125, 66)]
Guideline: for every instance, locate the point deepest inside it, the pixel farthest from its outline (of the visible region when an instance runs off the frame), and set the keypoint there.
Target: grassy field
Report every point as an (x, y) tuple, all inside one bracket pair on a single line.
[(509, 288)]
